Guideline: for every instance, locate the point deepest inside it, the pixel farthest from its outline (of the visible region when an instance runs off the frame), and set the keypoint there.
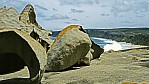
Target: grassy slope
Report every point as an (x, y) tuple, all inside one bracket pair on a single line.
[(133, 35)]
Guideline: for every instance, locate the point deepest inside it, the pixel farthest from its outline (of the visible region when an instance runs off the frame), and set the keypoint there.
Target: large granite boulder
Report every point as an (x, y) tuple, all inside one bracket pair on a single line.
[(18, 49), (71, 45)]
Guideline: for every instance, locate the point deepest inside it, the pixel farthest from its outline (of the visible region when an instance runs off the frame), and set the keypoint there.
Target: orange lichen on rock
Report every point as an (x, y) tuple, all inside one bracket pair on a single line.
[(64, 31)]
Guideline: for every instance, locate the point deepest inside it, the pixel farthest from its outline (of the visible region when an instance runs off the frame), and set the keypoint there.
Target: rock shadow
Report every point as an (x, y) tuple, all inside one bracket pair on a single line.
[(17, 81)]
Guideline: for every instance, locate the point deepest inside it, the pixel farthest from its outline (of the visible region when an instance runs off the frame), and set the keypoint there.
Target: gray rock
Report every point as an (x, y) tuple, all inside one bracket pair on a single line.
[(86, 60), (18, 49), (96, 50), (71, 45)]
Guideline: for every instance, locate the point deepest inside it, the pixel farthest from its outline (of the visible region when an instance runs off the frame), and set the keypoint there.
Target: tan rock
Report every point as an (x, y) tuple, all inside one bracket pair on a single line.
[(26, 22), (18, 49), (28, 15), (70, 46)]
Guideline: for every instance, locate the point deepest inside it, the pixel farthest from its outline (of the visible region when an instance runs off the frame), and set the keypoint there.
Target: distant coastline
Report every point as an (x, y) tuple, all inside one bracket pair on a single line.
[(136, 36)]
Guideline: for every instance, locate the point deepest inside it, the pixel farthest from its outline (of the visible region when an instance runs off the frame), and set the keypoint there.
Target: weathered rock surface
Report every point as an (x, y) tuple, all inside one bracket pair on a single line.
[(28, 16), (26, 21), (71, 45), (18, 49), (86, 60), (9, 18), (96, 50)]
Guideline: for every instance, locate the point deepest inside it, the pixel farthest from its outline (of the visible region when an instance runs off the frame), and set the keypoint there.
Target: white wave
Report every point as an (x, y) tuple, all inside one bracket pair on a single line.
[(109, 41), (114, 46), (103, 39), (99, 38)]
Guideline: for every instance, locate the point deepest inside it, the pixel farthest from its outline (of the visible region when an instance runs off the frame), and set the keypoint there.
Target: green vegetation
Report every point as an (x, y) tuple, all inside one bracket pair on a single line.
[(139, 36)]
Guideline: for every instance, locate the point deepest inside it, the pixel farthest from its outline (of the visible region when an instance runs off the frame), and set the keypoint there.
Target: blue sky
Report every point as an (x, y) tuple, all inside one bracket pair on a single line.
[(57, 14)]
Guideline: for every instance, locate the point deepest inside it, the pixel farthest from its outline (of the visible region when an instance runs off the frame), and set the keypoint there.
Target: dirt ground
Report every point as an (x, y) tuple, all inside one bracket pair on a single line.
[(112, 68)]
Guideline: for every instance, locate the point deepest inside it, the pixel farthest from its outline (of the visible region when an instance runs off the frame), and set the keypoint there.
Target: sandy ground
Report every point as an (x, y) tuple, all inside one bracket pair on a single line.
[(111, 68)]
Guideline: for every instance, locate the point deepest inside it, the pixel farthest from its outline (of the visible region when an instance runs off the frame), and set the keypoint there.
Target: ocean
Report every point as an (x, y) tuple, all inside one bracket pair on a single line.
[(108, 44)]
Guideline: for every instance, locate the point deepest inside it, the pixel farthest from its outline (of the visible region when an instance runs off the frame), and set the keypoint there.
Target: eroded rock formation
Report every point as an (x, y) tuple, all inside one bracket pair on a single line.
[(28, 15), (18, 49), (26, 21), (28, 43)]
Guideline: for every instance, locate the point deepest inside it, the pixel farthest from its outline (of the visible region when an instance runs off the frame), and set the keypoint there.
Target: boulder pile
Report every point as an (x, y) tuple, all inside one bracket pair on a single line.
[(25, 43)]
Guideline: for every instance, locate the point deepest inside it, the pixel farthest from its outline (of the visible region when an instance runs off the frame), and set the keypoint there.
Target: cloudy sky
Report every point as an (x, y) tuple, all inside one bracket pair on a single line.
[(57, 14)]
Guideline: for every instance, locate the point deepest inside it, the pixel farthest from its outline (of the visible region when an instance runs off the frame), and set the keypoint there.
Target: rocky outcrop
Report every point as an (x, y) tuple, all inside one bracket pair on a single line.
[(26, 22), (71, 45), (18, 49), (43, 37), (9, 18), (28, 16)]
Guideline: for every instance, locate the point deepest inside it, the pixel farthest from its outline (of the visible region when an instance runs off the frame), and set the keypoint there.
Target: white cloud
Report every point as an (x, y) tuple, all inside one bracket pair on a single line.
[(57, 14), (103, 14), (41, 7), (127, 22), (57, 17), (41, 15), (54, 9), (78, 2), (121, 6), (67, 22), (77, 11), (140, 15), (74, 19)]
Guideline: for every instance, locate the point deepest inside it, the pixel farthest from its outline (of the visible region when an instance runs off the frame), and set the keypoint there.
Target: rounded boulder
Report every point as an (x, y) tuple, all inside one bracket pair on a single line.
[(71, 45)]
